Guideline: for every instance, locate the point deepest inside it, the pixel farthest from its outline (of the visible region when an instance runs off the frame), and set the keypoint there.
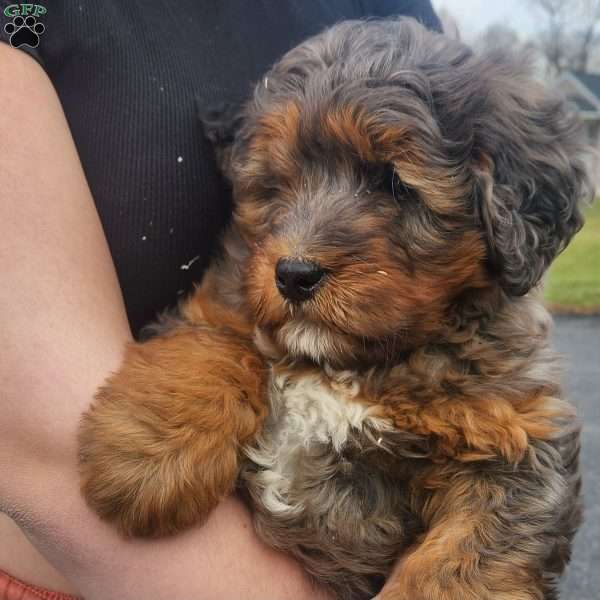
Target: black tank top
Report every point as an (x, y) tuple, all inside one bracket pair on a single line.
[(133, 76)]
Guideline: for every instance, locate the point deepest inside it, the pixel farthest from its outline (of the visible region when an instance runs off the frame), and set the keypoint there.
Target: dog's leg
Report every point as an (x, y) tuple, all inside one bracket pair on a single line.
[(482, 543), (160, 444)]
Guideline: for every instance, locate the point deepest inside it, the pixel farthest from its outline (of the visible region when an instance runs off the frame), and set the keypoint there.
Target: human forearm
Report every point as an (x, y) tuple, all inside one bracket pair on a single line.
[(62, 330)]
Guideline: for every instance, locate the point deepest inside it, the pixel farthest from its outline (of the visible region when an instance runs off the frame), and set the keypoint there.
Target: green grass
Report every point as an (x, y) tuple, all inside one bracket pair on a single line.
[(574, 279)]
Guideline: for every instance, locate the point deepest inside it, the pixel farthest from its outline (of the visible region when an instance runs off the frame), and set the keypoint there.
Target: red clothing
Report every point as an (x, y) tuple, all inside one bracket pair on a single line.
[(13, 589)]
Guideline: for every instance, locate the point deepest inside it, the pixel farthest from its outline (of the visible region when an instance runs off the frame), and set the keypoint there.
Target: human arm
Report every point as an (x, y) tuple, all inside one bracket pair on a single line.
[(63, 329)]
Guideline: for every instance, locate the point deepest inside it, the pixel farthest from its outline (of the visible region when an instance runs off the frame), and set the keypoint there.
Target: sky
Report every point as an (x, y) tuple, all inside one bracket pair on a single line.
[(474, 16)]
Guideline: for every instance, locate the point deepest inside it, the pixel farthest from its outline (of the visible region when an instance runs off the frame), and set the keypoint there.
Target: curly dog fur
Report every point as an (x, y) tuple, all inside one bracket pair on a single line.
[(407, 409)]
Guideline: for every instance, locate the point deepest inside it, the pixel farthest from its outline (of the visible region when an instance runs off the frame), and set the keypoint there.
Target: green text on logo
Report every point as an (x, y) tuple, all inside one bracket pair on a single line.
[(14, 10)]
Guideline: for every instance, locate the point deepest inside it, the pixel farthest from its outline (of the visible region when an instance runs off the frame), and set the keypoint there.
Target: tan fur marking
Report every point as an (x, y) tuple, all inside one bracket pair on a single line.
[(159, 446), (448, 562), (470, 429), (350, 128), (275, 140)]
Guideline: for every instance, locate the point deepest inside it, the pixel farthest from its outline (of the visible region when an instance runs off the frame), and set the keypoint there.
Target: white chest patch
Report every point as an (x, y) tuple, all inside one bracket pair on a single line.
[(305, 410)]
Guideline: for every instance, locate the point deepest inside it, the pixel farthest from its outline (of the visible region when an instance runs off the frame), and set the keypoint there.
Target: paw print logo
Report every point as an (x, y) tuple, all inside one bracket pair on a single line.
[(24, 31)]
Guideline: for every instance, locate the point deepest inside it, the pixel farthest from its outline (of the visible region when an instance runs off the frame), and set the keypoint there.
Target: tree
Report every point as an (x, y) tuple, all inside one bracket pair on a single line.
[(569, 38), (498, 35)]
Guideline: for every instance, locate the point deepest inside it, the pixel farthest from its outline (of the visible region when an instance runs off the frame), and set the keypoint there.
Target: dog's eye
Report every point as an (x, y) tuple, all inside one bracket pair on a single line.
[(391, 183), (385, 178)]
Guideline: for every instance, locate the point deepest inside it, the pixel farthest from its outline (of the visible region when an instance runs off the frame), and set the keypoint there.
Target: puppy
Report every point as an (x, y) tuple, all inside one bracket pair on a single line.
[(368, 362)]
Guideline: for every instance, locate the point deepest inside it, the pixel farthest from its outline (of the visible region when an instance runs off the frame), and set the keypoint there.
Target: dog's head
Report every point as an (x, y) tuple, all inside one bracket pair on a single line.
[(383, 173)]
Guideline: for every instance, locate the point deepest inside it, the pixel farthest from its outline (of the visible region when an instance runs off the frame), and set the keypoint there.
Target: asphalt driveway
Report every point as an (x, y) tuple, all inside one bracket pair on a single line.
[(578, 339)]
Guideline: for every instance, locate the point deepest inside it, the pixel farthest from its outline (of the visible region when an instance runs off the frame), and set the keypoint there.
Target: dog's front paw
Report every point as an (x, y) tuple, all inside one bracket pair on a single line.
[(149, 476), (159, 446)]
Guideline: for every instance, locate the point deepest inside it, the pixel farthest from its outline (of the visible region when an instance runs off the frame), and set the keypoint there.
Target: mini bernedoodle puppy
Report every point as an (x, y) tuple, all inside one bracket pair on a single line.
[(368, 362)]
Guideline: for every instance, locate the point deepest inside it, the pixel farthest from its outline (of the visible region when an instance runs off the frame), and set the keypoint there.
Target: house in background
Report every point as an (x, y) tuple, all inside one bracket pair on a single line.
[(583, 90)]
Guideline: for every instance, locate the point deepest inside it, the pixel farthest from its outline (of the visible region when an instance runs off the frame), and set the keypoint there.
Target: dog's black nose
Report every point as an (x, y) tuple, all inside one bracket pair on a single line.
[(297, 279)]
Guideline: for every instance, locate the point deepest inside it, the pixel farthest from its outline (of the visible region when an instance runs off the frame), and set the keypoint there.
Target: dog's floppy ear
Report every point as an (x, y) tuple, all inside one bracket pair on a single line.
[(220, 125), (531, 174)]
